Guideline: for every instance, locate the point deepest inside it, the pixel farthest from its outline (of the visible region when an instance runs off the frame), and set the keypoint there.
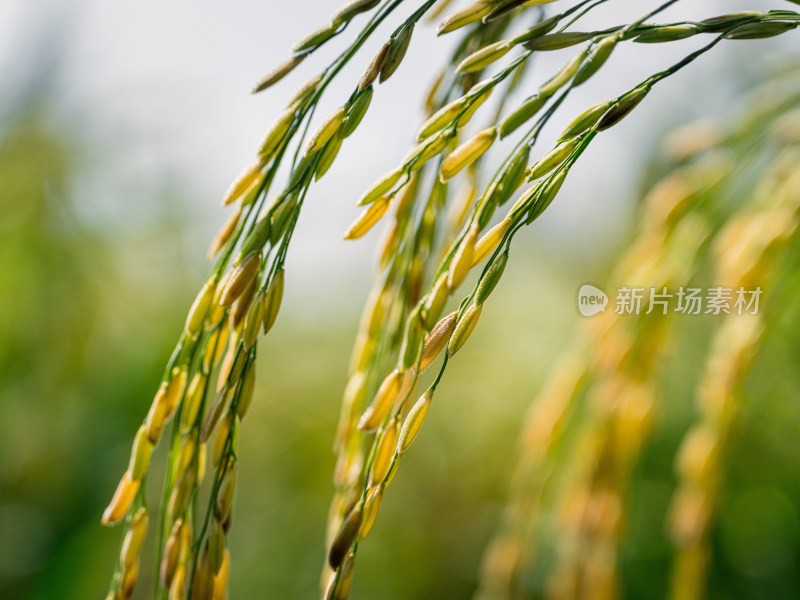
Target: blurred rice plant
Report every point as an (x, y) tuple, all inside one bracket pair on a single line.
[(639, 455)]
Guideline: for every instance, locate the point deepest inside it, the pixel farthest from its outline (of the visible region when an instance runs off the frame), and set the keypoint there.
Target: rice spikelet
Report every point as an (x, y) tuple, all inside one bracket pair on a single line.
[(368, 219), (382, 403), (468, 153)]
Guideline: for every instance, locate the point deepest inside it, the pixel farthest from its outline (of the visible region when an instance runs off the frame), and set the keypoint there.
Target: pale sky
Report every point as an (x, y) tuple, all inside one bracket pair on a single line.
[(164, 85)]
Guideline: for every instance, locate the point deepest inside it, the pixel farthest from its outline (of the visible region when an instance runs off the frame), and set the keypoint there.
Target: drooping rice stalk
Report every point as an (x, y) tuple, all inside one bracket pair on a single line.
[(611, 366), (209, 380), (745, 250)]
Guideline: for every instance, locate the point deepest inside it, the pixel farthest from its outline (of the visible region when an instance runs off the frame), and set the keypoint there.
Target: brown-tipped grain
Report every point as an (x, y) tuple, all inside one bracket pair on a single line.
[(368, 219), (397, 50), (622, 109), (436, 340), (345, 537), (215, 412), (121, 501), (462, 260), (374, 67), (387, 393), (464, 328), (278, 73), (467, 153), (240, 307), (241, 276)]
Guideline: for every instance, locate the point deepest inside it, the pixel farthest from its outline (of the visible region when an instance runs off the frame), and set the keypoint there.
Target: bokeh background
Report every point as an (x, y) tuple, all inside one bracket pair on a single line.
[(121, 126)]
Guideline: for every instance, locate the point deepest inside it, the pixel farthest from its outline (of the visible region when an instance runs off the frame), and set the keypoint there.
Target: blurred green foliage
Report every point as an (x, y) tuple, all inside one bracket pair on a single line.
[(72, 371)]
